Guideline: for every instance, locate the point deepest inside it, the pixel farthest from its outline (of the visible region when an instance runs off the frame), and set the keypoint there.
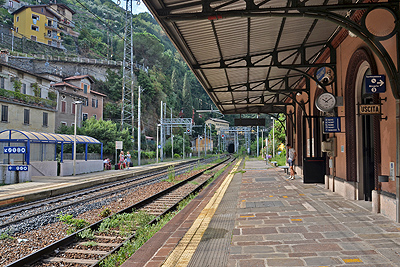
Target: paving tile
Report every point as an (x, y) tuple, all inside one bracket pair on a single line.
[(283, 248), (356, 246), (259, 231), (302, 254), (245, 238), (339, 234), (292, 229), (251, 263), (313, 236), (323, 261), (257, 249), (285, 262), (316, 247)]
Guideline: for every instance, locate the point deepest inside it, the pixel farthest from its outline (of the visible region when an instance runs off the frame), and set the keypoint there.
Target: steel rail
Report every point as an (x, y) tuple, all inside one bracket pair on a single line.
[(155, 220), (40, 254), (85, 192)]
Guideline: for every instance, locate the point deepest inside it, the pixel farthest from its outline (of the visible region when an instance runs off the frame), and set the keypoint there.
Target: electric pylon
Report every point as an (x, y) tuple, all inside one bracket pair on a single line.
[(128, 77)]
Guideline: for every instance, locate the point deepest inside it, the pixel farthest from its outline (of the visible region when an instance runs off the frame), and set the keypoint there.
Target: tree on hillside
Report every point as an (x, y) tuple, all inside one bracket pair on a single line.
[(173, 96), (187, 102), (148, 49)]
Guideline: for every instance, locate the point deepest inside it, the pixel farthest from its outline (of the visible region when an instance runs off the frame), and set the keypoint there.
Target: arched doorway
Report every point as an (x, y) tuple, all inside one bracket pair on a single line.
[(362, 132)]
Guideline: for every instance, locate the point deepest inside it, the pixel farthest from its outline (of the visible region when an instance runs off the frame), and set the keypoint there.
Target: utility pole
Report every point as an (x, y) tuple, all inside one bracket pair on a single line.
[(172, 139), (205, 140), (139, 137), (183, 150), (166, 128), (161, 133)]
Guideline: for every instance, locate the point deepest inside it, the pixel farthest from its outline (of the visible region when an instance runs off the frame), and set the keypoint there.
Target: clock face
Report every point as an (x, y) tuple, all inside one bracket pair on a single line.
[(325, 102)]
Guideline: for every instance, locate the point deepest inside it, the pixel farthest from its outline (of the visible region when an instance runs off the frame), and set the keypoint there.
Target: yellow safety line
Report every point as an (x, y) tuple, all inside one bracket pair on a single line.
[(184, 251)]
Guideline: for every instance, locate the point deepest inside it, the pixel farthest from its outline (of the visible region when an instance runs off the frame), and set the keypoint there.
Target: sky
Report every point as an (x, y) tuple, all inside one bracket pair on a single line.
[(136, 8)]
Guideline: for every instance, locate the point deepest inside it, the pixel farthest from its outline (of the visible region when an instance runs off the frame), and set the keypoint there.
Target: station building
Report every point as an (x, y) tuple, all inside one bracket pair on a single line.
[(331, 67)]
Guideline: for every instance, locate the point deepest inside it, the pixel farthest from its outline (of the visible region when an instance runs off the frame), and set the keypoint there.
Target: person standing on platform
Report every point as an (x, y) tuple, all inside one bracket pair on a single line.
[(128, 159), (121, 160), (291, 158)]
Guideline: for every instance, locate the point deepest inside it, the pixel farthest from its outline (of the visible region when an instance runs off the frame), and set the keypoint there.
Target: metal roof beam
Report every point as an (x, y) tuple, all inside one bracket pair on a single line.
[(259, 82), (215, 13), (255, 60)]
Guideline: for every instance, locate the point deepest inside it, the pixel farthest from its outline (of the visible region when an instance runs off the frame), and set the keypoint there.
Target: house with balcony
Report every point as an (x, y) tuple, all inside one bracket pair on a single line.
[(78, 88), (65, 22), (44, 23), (12, 5), (26, 100)]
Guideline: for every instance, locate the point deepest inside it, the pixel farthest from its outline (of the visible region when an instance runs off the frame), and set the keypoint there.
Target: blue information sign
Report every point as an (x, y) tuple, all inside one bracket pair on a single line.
[(13, 168), (320, 73), (332, 125), (375, 84), (14, 150)]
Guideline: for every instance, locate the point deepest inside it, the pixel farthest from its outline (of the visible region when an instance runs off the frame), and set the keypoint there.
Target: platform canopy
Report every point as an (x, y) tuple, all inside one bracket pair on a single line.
[(37, 137), (255, 56)]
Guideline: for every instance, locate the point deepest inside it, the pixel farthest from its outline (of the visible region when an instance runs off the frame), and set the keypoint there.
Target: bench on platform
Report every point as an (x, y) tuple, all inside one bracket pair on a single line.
[(275, 163), (285, 168)]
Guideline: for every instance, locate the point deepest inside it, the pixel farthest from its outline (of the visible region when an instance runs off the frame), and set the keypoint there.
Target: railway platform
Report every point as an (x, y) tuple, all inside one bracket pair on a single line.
[(256, 217), (45, 186)]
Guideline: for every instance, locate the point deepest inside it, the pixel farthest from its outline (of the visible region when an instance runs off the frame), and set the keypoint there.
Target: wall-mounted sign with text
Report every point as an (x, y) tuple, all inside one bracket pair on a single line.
[(369, 109), (375, 84), (332, 125)]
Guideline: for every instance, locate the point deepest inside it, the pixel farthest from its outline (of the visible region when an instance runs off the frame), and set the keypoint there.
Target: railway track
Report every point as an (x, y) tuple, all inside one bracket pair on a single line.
[(100, 240), (27, 211)]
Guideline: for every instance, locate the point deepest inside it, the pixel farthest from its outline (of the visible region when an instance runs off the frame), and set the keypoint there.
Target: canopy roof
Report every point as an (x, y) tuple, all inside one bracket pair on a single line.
[(36, 137), (254, 56)]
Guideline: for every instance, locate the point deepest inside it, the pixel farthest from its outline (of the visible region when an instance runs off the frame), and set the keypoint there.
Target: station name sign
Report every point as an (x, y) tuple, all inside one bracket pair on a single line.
[(249, 122), (14, 150), (369, 109), (14, 168)]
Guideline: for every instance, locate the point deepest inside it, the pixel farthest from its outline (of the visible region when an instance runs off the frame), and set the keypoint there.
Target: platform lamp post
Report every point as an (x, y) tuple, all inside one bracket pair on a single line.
[(76, 114), (158, 125), (273, 136)]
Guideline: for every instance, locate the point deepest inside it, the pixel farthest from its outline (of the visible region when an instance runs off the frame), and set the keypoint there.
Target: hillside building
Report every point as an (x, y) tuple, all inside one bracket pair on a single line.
[(78, 88), (44, 23), (218, 123), (202, 144), (26, 101)]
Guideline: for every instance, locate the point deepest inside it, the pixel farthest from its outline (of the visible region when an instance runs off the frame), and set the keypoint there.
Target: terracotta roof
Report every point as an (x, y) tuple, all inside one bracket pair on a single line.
[(97, 93), (79, 77), (76, 87), (66, 84)]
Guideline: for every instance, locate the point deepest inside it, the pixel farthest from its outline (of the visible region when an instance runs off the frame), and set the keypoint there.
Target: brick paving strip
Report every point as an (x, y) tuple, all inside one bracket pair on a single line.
[(289, 223), (157, 249), (187, 246)]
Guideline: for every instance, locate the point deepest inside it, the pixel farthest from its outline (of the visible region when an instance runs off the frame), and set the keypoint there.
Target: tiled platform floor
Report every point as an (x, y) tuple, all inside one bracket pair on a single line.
[(265, 220)]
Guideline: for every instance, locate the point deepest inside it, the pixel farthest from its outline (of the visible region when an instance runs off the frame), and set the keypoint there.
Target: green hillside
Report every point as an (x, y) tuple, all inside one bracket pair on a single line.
[(100, 24)]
